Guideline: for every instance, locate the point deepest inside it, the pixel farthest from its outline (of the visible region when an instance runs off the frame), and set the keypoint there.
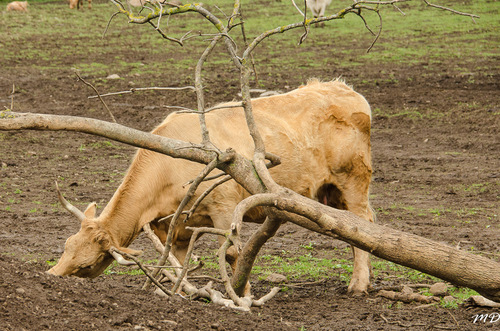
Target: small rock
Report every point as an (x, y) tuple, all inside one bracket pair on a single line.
[(438, 289), (276, 278), (449, 299), (113, 76), (20, 290)]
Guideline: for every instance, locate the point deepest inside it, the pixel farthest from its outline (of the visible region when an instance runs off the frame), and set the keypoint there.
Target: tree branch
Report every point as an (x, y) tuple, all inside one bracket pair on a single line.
[(472, 16), (136, 89), (97, 92)]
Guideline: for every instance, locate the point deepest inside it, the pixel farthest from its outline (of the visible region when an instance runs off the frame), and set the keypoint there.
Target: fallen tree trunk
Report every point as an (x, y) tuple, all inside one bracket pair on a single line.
[(448, 263)]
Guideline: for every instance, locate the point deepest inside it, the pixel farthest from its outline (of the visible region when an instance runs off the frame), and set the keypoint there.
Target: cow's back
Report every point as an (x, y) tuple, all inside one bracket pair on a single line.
[(317, 130)]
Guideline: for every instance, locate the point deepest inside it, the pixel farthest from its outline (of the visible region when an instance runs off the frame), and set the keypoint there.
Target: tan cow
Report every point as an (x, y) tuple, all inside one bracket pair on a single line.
[(18, 6), (78, 4), (321, 131)]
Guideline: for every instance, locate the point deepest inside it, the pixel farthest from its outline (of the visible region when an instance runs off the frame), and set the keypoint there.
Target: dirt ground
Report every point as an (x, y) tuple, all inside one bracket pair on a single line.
[(436, 157)]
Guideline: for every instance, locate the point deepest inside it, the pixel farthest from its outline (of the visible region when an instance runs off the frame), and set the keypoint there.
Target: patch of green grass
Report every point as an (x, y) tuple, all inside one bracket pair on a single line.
[(309, 246), (302, 267), (453, 153), (51, 263), (341, 43), (412, 114), (379, 265), (460, 295), (116, 269), (210, 262), (477, 187), (102, 144)]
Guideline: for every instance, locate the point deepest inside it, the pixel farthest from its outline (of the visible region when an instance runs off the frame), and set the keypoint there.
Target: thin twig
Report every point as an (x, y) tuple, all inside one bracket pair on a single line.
[(217, 280), (164, 35), (159, 17), (98, 95), (246, 45), (398, 9), (194, 236), (204, 194), (400, 323), (171, 4), (365, 22), (378, 34), (306, 26), (12, 96), (267, 297), (472, 16), (135, 89), (206, 179), (109, 23), (222, 12), (453, 318), (444, 327), (151, 277), (200, 95), (186, 110), (297, 7), (187, 197)]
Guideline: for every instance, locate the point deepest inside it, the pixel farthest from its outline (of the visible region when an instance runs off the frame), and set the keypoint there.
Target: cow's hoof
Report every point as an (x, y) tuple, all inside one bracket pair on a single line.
[(357, 288)]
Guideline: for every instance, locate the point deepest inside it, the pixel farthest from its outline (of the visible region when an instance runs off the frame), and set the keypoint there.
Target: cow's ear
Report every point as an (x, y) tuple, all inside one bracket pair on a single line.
[(103, 239), (90, 211)]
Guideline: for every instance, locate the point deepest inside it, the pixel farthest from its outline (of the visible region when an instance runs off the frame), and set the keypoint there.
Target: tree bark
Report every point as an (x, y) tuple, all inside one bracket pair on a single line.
[(448, 263)]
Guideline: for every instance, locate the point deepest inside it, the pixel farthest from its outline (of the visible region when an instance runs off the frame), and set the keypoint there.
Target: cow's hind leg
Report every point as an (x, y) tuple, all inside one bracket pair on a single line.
[(355, 199), (180, 238)]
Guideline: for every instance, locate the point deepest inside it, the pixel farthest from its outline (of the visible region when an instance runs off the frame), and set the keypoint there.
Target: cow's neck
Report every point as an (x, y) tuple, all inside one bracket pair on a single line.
[(136, 202)]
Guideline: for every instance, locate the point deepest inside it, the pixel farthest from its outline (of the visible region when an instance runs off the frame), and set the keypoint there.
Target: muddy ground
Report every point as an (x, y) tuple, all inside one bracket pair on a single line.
[(436, 158)]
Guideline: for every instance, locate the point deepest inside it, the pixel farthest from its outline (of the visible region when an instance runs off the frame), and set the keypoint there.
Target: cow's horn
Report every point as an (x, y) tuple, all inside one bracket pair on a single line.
[(120, 259), (68, 206)]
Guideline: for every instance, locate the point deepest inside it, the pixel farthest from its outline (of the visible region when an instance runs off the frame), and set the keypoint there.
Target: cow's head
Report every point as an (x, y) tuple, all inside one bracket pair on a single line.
[(91, 250)]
